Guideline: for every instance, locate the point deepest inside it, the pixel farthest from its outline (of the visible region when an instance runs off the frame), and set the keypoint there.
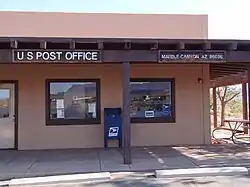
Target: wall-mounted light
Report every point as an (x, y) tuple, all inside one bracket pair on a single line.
[(200, 80)]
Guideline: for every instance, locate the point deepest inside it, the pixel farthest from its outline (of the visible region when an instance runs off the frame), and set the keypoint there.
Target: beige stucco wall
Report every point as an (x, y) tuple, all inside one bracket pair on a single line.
[(48, 24), (192, 105)]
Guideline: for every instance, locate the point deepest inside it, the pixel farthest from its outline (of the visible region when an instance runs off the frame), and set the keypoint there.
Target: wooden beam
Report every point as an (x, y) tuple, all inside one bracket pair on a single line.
[(229, 80), (244, 105), (155, 46), (181, 46), (217, 74), (207, 46), (142, 56), (230, 65), (100, 45), (126, 122), (233, 46), (215, 108), (127, 45), (220, 77), (214, 72), (248, 90), (227, 68), (72, 45), (14, 44), (43, 45)]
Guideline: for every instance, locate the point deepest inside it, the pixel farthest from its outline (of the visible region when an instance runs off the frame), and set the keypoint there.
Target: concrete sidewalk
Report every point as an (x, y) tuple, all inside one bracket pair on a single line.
[(17, 164)]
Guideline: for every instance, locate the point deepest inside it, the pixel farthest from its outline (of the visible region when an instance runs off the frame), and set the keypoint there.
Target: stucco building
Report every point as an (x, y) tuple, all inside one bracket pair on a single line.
[(168, 99)]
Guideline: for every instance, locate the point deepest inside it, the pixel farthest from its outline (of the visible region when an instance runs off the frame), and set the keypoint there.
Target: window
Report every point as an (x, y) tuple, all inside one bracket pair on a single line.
[(152, 101), (73, 102), (4, 103)]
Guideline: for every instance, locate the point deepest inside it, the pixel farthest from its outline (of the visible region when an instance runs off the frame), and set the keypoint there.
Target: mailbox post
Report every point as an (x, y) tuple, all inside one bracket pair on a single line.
[(112, 125)]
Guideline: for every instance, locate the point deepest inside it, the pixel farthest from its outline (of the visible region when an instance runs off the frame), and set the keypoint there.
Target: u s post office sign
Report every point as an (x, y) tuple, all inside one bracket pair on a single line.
[(56, 56)]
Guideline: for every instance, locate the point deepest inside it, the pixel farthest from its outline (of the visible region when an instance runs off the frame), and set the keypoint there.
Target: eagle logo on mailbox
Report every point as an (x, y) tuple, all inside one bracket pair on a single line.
[(113, 131)]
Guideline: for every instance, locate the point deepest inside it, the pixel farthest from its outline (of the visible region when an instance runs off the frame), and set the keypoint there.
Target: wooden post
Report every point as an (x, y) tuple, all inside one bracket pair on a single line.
[(244, 105), (248, 90), (126, 114), (215, 108)]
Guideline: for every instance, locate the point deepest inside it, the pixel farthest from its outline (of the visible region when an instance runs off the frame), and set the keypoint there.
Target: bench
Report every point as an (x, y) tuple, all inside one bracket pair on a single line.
[(234, 130)]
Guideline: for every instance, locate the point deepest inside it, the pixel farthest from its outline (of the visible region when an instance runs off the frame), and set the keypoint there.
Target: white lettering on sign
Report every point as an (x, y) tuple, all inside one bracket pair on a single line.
[(56, 56), (180, 56), (79, 56), (220, 57), (20, 56), (48, 56), (29, 56), (192, 56)]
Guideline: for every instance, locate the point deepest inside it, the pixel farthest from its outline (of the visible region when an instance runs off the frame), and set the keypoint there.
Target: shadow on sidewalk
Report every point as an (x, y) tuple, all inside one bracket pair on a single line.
[(16, 164), (148, 182)]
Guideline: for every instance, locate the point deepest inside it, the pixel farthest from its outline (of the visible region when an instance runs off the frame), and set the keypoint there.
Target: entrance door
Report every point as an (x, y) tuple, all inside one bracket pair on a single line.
[(7, 116)]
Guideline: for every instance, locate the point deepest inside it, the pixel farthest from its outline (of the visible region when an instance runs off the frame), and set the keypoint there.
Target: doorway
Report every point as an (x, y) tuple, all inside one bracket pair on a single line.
[(8, 121)]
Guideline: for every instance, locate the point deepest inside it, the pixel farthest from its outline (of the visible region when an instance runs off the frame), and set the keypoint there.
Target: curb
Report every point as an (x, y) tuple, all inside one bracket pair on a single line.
[(122, 175), (61, 179), (201, 172), (4, 183)]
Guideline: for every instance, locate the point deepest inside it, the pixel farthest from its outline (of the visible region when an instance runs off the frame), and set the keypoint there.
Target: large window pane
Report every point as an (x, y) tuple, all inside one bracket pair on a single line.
[(73, 100), (151, 99)]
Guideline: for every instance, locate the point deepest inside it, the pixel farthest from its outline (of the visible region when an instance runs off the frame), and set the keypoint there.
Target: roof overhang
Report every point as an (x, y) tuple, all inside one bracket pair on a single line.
[(138, 50)]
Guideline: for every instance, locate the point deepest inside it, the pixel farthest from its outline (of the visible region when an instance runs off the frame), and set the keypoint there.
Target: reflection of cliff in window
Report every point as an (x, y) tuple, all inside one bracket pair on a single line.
[(151, 98), (73, 100)]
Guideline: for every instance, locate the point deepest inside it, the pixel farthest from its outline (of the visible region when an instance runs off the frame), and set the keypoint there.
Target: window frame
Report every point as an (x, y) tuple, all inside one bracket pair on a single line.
[(171, 119), (58, 122)]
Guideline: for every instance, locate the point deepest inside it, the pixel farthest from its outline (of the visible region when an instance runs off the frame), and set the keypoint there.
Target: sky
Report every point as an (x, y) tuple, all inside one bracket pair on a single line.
[(228, 19), (4, 94)]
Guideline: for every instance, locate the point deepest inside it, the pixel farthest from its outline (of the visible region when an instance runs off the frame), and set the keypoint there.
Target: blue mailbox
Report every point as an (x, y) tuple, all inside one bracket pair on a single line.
[(112, 125)]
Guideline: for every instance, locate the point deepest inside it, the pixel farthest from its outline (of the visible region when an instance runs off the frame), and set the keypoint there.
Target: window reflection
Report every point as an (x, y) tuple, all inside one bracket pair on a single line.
[(151, 99), (4, 103), (73, 100)]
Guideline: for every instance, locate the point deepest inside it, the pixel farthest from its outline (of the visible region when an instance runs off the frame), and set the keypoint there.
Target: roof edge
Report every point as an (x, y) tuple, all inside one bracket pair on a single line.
[(107, 13)]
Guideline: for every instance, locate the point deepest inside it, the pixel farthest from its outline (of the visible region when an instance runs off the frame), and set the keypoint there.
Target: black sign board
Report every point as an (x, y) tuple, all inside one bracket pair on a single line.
[(56, 56), (192, 56)]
